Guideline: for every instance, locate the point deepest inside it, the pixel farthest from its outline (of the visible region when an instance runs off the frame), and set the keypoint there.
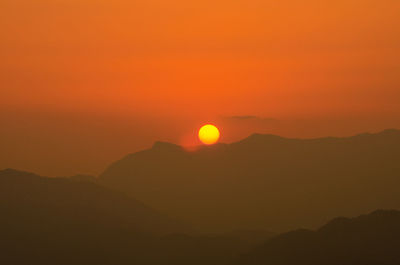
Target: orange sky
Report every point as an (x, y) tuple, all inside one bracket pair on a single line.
[(84, 82)]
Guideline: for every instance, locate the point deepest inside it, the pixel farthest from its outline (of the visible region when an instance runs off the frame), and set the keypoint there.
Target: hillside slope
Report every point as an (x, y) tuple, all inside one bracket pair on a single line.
[(366, 240), (265, 181)]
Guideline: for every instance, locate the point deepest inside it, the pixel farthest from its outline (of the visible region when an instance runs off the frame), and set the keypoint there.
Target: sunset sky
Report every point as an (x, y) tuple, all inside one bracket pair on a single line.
[(85, 82)]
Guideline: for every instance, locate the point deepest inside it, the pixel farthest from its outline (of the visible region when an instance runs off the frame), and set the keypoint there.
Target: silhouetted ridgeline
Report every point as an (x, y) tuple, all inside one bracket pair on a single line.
[(36, 199), (58, 221), (48, 221), (372, 239), (265, 181)]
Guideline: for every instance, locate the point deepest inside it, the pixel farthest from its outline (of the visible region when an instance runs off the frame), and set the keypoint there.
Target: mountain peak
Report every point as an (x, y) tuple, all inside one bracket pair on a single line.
[(10, 170), (340, 222), (367, 239), (159, 145), (391, 132), (257, 138), (15, 172)]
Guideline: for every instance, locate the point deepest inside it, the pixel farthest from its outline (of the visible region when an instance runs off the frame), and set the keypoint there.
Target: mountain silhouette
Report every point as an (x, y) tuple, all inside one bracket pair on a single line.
[(366, 240), (264, 181), (38, 199), (49, 221), (58, 221)]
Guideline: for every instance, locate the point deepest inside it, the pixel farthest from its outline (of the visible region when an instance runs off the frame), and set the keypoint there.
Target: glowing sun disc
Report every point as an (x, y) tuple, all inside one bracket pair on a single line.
[(209, 134)]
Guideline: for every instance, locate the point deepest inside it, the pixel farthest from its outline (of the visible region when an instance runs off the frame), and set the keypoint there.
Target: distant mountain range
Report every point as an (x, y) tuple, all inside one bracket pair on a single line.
[(58, 221), (47, 221), (264, 181), (372, 239), (57, 203)]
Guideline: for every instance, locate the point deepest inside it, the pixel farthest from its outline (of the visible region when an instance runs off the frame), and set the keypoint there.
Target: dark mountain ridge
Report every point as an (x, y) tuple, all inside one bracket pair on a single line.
[(49, 221), (265, 181), (365, 240), (37, 201)]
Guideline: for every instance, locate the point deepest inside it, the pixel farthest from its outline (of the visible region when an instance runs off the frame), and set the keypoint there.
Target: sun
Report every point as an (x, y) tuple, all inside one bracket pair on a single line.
[(209, 134)]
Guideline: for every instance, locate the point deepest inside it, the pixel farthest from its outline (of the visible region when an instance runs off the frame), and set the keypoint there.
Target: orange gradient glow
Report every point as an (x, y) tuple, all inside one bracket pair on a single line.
[(120, 75)]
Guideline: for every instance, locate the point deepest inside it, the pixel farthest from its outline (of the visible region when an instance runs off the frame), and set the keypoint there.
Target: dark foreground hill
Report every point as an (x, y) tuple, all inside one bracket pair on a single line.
[(265, 181), (48, 202), (58, 221), (372, 239)]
